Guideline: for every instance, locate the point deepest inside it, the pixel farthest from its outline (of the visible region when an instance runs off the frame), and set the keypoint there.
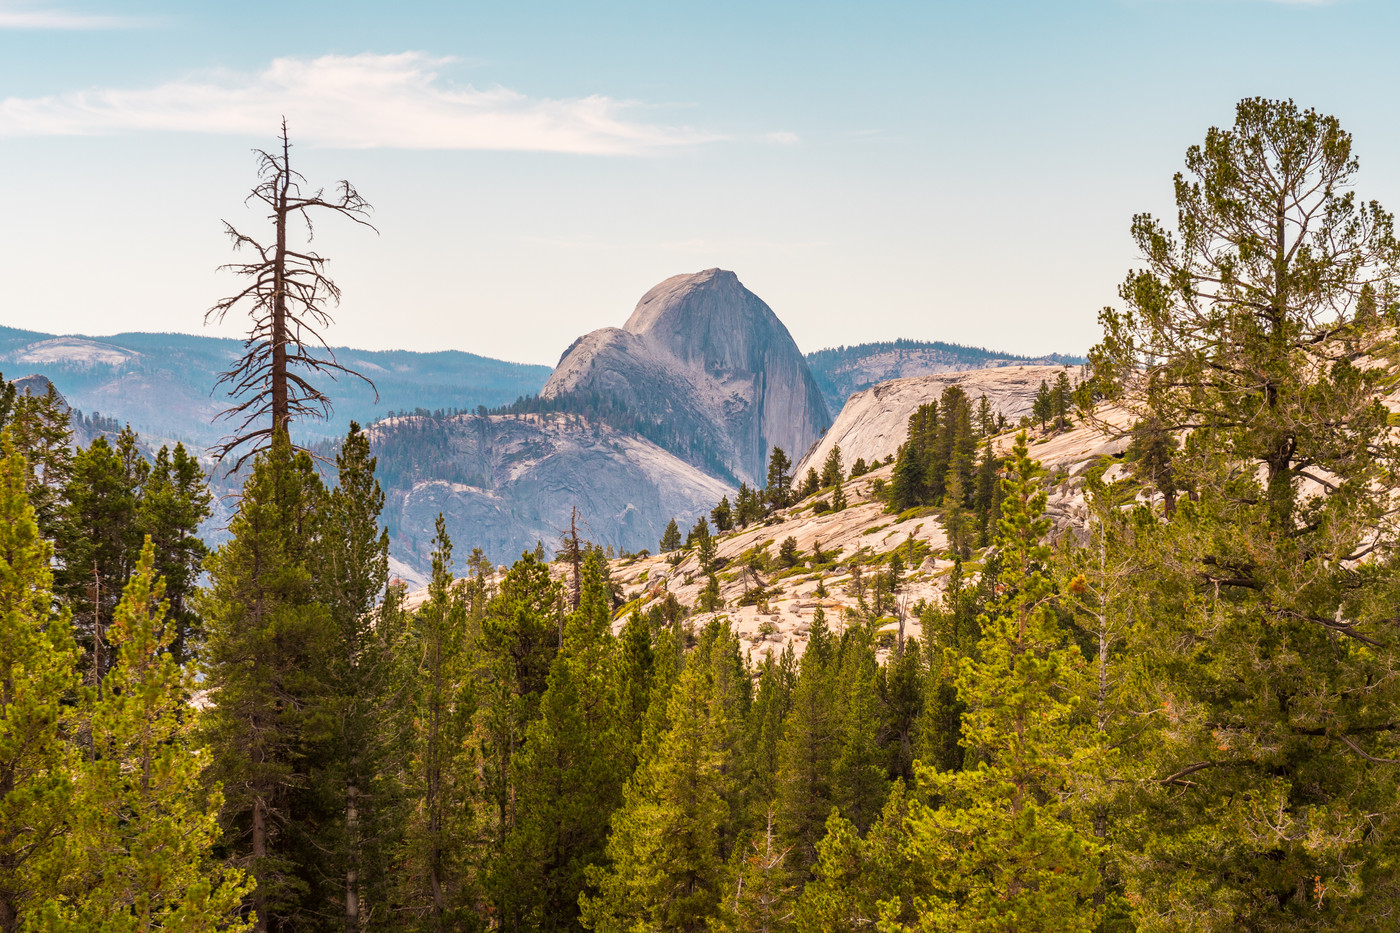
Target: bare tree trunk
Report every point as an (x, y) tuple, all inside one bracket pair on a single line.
[(280, 404), (575, 557)]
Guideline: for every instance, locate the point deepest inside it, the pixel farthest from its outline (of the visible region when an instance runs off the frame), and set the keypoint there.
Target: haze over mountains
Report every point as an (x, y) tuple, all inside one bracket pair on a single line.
[(638, 424)]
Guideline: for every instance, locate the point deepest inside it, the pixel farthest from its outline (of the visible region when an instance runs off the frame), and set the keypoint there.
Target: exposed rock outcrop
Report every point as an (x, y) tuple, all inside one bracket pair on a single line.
[(523, 476), (875, 422), (709, 359)]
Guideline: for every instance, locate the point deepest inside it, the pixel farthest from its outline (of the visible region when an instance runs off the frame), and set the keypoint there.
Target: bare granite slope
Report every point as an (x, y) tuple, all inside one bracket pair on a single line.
[(874, 423), (711, 360), (526, 473)]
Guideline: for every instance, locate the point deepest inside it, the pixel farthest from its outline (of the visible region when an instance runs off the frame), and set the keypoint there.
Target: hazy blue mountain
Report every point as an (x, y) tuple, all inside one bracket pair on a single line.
[(162, 384)]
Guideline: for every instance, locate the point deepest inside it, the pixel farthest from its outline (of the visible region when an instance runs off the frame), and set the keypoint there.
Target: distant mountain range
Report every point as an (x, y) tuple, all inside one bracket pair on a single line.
[(843, 371), (162, 384), (637, 425)]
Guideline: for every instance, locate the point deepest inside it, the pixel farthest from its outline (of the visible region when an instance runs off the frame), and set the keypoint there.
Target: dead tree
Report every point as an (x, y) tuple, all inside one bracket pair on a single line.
[(286, 295)]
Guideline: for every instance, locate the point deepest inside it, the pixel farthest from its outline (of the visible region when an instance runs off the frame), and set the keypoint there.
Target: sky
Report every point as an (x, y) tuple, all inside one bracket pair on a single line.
[(960, 171)]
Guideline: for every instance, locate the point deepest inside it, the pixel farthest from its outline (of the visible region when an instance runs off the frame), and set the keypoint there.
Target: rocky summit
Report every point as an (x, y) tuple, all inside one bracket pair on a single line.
[(709, 359)]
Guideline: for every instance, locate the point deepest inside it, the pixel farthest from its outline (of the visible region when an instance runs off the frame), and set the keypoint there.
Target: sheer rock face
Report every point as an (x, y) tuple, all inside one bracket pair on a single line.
[(707, 357), (525, 475)]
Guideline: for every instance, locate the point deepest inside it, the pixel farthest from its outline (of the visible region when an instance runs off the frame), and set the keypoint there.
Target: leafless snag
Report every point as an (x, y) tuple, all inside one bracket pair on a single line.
[(286, 295)]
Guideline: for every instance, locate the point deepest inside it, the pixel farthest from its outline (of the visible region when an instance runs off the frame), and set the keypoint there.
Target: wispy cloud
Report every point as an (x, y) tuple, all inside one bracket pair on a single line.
[(782, 138), (362, 101), (29, 16)]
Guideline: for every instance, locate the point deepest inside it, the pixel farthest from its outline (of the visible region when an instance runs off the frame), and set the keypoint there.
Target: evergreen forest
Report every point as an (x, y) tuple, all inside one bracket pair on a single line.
[(1181, 713)]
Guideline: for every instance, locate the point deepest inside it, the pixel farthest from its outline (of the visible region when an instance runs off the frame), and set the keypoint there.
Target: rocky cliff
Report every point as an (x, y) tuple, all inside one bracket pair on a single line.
[(875, 422), (503, 482), (709, 359)]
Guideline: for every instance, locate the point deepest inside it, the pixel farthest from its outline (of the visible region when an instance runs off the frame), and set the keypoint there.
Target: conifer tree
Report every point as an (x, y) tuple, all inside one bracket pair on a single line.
[(986, 418), (98, 537), (672, 837), (778, 493), (1008, 850), (1269, 619), (269, 642), (671, 538), (859, 468), (831, 467), (437, 887), (174, 501), (143, 829), (862, 882), (352, 571), (1062, 397), (810, 484), (858, 777), (1043, 408), (838, 498), (807, 754), (38, 673), (906, 483), (571, 772), (517, 645), (41, 431), (723, 515)]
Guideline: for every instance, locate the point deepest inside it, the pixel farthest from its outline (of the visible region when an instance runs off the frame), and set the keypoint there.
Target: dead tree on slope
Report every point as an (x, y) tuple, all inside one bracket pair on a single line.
[(286, 295)]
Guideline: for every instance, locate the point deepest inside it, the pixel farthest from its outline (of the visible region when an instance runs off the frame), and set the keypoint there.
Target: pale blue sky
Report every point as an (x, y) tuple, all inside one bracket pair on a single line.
[(958, 171)]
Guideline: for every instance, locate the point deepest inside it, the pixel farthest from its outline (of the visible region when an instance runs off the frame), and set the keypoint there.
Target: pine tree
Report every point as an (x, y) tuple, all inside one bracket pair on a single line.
[(906, 484), (41, 431), (859, 468), (1267, 644), (437, 886), (838, 498), (1043, 408), (986, 418), (671, 538), (831, 467), (1061, 398), (1008, 849), (759, 898), (778, 493), (571, 772), (862, 882), (352, 572), (141, 853), (722, 515), (173, 503), (807, 754), (98, 537), (672, 837), (269, 641), (38, 674)]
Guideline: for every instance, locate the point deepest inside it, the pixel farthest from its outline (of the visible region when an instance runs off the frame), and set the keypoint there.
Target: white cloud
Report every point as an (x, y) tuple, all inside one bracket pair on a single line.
[(782, 138), (362, 101), (20, 16)]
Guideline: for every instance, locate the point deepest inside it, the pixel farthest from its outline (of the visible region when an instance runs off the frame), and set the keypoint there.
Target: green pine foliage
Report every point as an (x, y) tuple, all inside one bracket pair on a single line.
[(140, 851), (38, 678), (1007, 846), (271, 729)]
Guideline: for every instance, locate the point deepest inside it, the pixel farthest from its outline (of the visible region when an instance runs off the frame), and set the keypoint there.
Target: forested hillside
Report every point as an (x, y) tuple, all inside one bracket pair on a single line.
[(843, 371), (1149, 684)]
